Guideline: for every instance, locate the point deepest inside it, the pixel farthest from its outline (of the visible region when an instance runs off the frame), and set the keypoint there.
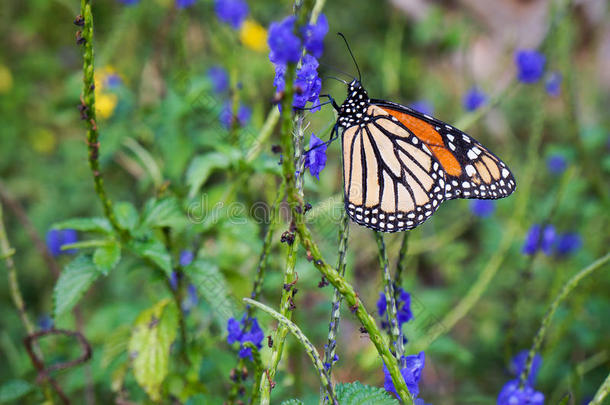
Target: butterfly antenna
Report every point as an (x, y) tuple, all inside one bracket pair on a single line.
[(326, 65), (336, 78), (352, 55)]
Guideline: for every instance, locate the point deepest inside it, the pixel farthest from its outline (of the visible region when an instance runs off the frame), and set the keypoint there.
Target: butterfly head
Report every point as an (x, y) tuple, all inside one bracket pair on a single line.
[(354, 107)]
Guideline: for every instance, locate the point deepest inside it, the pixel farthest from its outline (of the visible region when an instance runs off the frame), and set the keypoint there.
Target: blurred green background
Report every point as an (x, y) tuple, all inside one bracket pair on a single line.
[(161, 113)]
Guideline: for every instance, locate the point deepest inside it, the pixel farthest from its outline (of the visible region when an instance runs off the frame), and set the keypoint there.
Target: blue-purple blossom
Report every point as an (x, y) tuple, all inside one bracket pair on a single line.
[(56, 238), (482, 208), (45, 322), (307, 85), (474, 99), (191, 300), (241, 333), (232, 12), (556, 164), (186, 257), (113, 80), (568, 243), (173, 280), (511, 394), (219, 78), (423, 106), (284, 45), (553, 84), (536, 241), (518, 362), (411, 373), (530, 65), (403, 307), (129, 2), (227, 119), (313, 36), (185, 3), (315, 158)]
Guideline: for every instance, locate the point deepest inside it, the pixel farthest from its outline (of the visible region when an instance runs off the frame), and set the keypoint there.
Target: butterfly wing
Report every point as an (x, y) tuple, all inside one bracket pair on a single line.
[(392, 180), (471, 170)]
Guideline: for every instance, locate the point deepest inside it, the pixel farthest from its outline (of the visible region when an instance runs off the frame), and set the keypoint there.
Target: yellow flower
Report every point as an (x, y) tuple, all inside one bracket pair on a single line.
[(6, 79), (253, 35), (105, 103)]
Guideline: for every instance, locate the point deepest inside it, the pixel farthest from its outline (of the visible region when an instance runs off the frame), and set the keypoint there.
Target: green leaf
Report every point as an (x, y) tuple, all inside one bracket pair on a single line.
[(107, 257), (115, 344), (201, 167), (213, 287), (14, 389), (149, 347), (292, 402), (95, 224), (153, 250), (126, 215), (74, 280), (160, 213), (358, 394)]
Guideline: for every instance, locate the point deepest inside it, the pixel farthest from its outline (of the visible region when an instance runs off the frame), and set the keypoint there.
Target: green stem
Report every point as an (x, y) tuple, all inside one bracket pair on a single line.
[(309, 347), (390, 299), (401, 262), (546, 321), (602, 392), (88, 113)]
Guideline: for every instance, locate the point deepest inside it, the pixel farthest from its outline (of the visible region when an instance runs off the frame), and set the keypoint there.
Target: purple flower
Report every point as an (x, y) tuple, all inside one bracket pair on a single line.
[(242, 333), (314, 36), (556, 164), (56, 238), (173, 280), (184, 3), (482, 208), (568, 243), (423, 106), (219, 78), (284, 45), (227, 118), (129, 2), (307, 84), (315, 158), (518, 362), (473, 99), (113, 80), (411, 373), (553, 84), (191, 300), (403, 307), (232, 12), (535, 241), (511, 394), (45, 322), (530, 65), (186, 257)]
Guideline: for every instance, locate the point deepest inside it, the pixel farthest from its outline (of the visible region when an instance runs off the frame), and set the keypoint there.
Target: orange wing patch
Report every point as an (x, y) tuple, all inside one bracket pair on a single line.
[(428, 135)]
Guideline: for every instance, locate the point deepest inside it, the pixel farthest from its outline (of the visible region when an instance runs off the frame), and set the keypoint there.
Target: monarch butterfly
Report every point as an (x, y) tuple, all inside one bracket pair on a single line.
[(399, 165)]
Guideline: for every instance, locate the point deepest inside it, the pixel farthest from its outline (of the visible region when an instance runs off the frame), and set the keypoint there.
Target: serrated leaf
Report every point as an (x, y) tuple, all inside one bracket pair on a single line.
[(107, 257), (14, 389), (160, 213), (153, 250), (126, 215), (74, 280), (149, 347), (115, 344), (292, 402), (201, 167), (95, 224), (213, 287), (356, 393)]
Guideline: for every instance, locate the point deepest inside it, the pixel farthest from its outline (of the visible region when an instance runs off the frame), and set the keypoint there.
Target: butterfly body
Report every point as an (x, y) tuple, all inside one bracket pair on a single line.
[(400, 165)]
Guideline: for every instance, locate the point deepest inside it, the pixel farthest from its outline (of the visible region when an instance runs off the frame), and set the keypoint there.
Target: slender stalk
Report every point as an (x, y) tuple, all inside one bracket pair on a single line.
[(309, 347), (335, 312), (282, 330), (546, 321), (390, 299), (602, 392), (401, 262), (88, 112)]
